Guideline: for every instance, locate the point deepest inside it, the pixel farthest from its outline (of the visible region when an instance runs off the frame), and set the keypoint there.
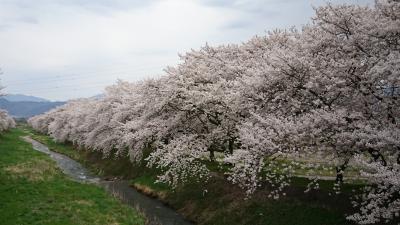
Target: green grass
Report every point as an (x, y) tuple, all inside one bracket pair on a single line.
[(34, 191), (224, 203), (324, 169)]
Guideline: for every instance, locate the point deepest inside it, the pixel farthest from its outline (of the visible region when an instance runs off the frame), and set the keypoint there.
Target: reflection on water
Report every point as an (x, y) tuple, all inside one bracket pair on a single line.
[(155, 211)]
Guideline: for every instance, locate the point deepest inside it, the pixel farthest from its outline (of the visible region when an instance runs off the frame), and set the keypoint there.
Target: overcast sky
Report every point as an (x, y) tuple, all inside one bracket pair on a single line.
[(63, 49)]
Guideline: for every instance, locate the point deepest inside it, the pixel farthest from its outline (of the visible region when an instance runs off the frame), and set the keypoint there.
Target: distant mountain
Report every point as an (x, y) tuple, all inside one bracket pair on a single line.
[(98, 97), (26, 109), (23, 98)]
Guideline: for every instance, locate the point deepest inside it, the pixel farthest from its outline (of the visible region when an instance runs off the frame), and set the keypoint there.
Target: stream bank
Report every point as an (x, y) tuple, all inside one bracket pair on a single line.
[(223, 202), (155, 211)]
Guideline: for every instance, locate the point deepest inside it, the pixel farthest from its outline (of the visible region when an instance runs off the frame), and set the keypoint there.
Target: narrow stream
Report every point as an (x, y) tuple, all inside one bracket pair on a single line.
[(155, 211)]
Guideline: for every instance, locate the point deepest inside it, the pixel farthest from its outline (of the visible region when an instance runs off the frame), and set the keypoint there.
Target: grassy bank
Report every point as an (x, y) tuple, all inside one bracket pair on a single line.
[(34, 191), (224, 203), (218, 201)]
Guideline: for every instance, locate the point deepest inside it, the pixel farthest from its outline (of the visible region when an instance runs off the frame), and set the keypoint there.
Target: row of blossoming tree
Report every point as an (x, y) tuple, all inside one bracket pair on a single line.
[(328, 92)]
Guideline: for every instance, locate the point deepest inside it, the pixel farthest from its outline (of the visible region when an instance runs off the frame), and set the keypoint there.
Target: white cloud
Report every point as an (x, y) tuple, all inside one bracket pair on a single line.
[(66, 49)]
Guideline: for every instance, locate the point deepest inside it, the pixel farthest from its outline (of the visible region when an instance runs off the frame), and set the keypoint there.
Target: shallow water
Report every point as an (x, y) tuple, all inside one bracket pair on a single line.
[(155, 211)]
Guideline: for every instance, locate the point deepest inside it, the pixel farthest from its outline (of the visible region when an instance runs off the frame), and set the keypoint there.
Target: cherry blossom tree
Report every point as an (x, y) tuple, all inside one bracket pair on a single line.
[(6, 121), (325, 90)]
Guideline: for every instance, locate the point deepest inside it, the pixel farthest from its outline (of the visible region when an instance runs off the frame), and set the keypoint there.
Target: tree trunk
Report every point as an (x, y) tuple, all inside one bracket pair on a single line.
[(212, 156), (230, 146), (339, 172)]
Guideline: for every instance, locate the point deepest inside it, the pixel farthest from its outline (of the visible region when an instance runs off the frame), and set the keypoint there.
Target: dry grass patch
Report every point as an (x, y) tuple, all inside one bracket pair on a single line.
[(33, 170), (84, 202), (162, 195)]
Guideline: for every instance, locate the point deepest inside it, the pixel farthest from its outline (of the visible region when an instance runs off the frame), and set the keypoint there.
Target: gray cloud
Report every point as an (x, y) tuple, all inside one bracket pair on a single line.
[(89, 4), (62, 49), (240, 24)]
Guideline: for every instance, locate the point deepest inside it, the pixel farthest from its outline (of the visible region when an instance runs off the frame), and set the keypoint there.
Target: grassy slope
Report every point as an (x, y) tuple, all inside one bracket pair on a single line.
[(224, 203), (34, 191)]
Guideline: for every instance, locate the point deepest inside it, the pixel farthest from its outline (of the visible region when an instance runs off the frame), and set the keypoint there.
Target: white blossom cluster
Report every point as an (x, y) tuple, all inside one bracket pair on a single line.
[(6, 122), (322, 91), (380, 202)]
